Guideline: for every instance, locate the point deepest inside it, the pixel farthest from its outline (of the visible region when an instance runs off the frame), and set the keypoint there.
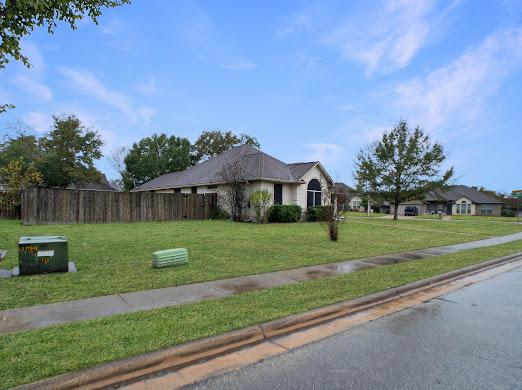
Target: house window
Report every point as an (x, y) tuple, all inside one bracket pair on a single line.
[(486, 209), (194, 190), (356, 204), (177, 190), (463, 207), (313, 193), (278, 193)]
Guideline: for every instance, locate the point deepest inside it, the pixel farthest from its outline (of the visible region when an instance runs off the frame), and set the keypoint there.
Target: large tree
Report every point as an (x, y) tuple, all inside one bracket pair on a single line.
[(154, 156), (69, 152), (211, 143), (19, 18), (23, 148), (405, 164)]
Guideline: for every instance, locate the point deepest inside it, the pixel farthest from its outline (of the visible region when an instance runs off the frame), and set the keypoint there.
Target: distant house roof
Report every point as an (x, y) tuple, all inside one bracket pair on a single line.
[(459, 191), (341, 187), (102, 185), (257, 165)]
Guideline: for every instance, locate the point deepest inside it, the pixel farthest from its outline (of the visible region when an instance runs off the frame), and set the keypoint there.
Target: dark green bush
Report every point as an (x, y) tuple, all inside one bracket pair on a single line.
[(508, 212), (219, 213), (284, 213), (318, 213)]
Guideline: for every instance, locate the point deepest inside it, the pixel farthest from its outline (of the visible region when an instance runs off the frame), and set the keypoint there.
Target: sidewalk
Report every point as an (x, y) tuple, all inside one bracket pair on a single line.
[(69, 311)]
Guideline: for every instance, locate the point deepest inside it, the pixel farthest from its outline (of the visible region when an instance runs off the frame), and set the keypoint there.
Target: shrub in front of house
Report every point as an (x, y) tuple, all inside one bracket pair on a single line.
[(318, 213), (284, 213), (507, 212), (219, 213)]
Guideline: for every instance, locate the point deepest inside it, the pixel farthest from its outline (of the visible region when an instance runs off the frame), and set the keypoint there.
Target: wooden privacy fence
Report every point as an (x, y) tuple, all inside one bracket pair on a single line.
[(47, 206), (9, 212)]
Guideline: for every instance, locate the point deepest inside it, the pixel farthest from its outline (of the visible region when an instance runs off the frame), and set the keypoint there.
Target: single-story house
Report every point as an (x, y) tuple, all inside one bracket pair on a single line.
[(305, 184), (350, 200), (457, 199)]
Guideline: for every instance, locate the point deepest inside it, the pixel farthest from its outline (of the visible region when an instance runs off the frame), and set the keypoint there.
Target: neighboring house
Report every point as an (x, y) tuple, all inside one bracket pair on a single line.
[(458, 199), (305, 184), (352, 202), (102, 185)]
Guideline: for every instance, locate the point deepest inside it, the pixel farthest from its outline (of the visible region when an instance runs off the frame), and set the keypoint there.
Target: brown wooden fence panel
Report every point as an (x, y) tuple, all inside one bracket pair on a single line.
[(9, 212), (48, 206)]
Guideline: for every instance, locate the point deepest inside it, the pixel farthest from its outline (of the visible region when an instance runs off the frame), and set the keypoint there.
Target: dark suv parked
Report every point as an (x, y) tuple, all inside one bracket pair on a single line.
[(411, 211)]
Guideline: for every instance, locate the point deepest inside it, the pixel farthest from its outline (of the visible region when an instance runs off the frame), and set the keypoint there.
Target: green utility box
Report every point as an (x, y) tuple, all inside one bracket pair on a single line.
[(42, 254), (169, 257)]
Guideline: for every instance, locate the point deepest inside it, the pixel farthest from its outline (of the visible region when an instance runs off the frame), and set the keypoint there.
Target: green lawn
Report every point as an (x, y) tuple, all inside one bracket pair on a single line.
[(475, 218), (363, 215), (482, 218), (32, 355), (114, 258)]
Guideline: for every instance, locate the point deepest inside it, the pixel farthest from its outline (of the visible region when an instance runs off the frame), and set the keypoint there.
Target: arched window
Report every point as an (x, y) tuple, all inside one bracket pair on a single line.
[(463, 207), (313, 193)]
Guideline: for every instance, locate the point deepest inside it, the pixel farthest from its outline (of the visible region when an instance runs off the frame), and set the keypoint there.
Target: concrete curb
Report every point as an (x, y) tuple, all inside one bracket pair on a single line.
[(124, 371)]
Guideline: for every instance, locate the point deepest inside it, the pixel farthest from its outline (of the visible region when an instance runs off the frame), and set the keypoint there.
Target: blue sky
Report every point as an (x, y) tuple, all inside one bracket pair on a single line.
[(311, 80)]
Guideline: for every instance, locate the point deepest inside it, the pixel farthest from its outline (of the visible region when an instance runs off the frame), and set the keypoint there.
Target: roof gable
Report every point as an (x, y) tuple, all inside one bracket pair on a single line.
[(453, 193), (257, 164)]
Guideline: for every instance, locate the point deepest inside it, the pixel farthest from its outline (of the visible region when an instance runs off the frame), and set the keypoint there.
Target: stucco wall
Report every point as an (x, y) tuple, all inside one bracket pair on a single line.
[(314, 173), (467, 202)]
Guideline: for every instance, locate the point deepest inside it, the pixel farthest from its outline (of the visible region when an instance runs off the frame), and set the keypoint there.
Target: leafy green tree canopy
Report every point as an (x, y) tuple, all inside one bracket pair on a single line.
[(23, 148), (69, 152), (405, 164), (212, 143), (154, 156)]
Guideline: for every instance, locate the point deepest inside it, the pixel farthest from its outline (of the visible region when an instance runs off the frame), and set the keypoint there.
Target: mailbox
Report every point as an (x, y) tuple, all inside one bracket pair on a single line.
[(42, 254)]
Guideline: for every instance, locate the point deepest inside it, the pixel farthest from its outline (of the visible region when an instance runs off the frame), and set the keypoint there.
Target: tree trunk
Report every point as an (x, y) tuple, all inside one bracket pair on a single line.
[(396, 212)]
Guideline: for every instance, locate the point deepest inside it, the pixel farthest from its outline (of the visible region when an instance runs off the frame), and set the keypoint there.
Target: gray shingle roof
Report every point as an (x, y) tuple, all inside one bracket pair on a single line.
[(258, 166), (459, 191)]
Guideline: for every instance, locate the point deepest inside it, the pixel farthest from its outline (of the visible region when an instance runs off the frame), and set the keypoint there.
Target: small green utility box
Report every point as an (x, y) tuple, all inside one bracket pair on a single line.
[(169, 257), (42, 254)]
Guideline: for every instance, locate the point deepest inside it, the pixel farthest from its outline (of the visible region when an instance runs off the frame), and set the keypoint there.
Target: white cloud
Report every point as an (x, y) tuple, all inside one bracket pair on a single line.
[(38, 90), (31, 51), (390, 39), (39, 121), (240, 66), (457, 93), (90, 85), (324, 152)]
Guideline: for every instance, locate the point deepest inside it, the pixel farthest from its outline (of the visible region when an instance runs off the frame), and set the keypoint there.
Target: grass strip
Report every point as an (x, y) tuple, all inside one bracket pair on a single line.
[(32, 355), (116, 258)]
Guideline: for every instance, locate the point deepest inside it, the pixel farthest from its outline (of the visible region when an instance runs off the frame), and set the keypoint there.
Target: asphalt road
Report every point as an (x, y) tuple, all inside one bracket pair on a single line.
[(468, 339)]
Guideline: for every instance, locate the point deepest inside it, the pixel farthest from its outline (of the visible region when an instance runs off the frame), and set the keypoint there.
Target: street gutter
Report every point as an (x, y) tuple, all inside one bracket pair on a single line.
[(126, 371)]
